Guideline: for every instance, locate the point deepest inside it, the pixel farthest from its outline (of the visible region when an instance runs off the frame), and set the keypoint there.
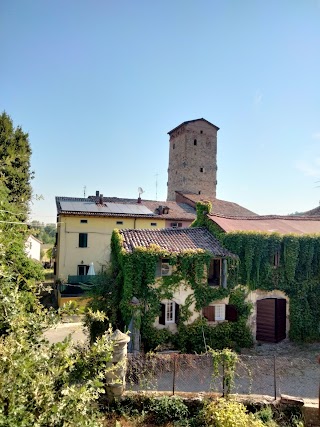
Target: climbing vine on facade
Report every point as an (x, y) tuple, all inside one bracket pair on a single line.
[(270, 261), (135, 275)]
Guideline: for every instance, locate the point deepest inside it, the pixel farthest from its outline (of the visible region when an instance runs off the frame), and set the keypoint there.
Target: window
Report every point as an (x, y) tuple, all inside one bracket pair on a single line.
[(163, 268), (83, 240), (83, 221), (194, 142), (169, 313), (201, 169), (214, 273), (199, 192), (173, 146), (83, 269), (214, 312), (176, 224), (119, 222), (201, 131), (153, 224), (276, 259), (219, 311)]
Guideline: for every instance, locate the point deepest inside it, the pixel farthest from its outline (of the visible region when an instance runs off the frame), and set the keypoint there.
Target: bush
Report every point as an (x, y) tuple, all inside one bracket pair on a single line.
[(167, 409), (228, 413)]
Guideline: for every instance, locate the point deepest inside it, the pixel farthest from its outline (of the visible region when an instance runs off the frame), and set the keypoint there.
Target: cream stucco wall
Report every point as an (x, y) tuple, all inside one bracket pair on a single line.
[(99, 230)]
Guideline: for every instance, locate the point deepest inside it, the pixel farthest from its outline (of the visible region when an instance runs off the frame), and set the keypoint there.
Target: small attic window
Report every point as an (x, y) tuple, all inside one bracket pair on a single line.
[(83, 221), (194, 142)]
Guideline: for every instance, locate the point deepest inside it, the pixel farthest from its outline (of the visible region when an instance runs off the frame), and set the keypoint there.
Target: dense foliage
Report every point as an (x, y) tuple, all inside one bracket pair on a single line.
[(41, 384), (44, 232), (15, 172), (135, 277), (269, 261)]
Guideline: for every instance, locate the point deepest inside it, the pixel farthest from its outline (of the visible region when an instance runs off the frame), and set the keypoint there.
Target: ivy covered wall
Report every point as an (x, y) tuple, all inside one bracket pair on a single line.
[(268, 261), (135, 275)]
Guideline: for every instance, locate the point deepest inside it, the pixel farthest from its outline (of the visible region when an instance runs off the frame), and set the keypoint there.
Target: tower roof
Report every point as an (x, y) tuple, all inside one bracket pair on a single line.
[(191, 121)]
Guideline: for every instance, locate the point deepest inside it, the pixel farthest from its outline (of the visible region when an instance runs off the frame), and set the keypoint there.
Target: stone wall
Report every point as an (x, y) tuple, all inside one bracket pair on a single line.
[(193, 159)]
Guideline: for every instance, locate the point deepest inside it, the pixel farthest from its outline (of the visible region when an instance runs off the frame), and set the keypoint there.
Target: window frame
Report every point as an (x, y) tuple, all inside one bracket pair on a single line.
[(212, 278), (83, 240), (85, 266), (169, 312)]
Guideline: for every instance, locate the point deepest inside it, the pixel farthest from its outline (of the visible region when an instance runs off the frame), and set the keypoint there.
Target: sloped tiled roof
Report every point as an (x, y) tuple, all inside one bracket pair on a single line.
[(269, 223), (191, 121), (174, 240), (220, 207), (122, 207)]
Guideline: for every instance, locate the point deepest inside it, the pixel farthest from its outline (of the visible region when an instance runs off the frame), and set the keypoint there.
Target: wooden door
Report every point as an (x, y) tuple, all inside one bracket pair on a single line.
[(271, 319)]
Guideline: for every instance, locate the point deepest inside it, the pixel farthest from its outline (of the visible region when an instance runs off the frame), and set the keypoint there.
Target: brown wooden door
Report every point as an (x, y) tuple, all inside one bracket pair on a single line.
[(271, 319)]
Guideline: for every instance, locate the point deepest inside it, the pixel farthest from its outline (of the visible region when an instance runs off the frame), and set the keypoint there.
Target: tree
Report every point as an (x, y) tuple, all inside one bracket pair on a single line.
[(15, 153)]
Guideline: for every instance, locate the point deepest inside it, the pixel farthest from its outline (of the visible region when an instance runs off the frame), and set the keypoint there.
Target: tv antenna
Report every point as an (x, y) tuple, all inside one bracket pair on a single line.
[(140, 191), (84, 191), (157, 185)]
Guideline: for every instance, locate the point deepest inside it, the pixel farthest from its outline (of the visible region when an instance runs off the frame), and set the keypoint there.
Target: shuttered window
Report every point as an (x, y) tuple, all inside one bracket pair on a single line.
[(231, 313), (163, 268), (208, 313), (169, 313), (83, 240), (214, 273)]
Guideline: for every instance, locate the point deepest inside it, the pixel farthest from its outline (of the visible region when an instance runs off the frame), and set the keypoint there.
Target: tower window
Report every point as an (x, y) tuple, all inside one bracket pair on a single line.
[(201, 131), (173, 146), (201, 169), (199, 192), (194, 142)]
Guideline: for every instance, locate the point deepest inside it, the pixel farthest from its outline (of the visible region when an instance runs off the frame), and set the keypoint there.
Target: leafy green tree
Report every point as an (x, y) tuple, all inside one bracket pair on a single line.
[(15, 153), (44, 232)]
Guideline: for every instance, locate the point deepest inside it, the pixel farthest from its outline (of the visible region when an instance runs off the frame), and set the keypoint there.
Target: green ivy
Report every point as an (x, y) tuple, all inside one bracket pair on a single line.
[(297, 275), (135, 276)]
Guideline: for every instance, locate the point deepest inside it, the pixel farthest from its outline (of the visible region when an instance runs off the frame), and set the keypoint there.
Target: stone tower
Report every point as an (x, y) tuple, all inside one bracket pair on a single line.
[(193, 159)]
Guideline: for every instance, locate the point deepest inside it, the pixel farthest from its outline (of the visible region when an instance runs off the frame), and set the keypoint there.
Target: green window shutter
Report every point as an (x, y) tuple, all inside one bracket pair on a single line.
[(83, 240)]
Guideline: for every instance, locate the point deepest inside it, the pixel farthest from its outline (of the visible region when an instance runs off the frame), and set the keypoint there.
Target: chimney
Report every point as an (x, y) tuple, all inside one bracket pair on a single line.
[(139, 199), (160, 209), (97, 193), (101, 199)]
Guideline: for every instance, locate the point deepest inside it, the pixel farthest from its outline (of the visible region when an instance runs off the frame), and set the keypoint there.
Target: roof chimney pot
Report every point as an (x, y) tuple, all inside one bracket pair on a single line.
[(97, 193)]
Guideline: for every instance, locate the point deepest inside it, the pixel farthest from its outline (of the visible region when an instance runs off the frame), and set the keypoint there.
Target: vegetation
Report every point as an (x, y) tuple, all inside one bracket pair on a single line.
[(41, 384), (44, 232), (15, 172), (146, 410), (270, 261), (135, 276)]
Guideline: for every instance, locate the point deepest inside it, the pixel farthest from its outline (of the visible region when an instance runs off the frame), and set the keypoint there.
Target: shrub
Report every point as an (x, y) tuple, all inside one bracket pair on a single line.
[(228, 413), (167, 409)]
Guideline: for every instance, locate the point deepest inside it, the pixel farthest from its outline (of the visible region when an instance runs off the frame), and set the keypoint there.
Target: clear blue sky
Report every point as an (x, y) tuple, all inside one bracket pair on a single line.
[(98, 84)]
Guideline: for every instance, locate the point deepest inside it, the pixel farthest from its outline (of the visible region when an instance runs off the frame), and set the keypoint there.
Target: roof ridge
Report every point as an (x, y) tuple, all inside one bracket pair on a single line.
[(261, 217)]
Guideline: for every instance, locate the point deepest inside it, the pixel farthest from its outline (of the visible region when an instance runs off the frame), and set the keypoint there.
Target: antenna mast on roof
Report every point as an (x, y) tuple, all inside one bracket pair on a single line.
[(84, 191), (157, 185)]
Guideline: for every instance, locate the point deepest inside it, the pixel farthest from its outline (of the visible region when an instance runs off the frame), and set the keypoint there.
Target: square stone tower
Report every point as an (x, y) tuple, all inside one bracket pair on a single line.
[(193, 159)]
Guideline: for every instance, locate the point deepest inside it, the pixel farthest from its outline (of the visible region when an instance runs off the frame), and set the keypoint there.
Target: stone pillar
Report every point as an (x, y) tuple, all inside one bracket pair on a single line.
[(116, 378)]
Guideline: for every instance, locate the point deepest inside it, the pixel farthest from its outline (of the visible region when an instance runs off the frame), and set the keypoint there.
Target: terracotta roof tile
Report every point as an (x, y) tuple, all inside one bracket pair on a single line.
[(220, 207), (269, 223), (174, 240)]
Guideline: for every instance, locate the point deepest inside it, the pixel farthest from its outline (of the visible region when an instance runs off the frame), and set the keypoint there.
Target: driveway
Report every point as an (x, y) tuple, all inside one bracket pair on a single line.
[(76, 330)]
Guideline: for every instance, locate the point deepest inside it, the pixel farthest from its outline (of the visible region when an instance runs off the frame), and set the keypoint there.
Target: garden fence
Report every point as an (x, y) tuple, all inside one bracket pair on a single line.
[(262, 375)]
